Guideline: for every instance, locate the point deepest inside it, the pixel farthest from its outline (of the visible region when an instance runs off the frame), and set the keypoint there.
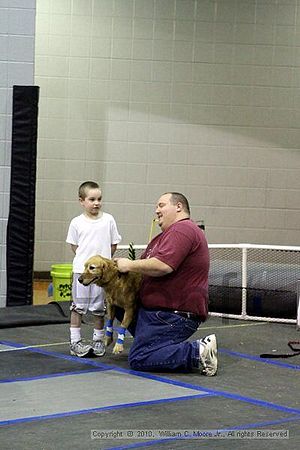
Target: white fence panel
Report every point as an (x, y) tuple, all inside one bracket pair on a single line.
[(248, 280)]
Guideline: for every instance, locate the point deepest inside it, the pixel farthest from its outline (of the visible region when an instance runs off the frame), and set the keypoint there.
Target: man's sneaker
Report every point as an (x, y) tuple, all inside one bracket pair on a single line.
[(80, 349), (98, 348), (208, 355)]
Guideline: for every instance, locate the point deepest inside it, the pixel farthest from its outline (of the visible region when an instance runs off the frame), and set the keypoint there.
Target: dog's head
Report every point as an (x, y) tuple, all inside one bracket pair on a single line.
[(99, 270)]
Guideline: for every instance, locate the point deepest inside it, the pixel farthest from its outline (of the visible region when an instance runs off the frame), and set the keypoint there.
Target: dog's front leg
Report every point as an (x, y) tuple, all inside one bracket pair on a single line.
[(109, 324), (119, 345)]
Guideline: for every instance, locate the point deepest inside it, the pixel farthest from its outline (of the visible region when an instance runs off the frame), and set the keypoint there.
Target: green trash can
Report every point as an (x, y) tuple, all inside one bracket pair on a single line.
[(62, 281)]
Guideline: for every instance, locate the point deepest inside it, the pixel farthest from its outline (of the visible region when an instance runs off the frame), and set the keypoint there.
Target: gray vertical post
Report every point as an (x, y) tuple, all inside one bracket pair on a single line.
[(298, 305)]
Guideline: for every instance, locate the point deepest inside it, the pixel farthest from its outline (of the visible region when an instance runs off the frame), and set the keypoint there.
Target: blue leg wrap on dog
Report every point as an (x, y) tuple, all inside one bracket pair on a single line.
[(121, 336), (109, 328)]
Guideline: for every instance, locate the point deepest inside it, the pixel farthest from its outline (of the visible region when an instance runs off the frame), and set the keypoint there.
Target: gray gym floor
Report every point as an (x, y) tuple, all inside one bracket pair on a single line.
[(51, 400)]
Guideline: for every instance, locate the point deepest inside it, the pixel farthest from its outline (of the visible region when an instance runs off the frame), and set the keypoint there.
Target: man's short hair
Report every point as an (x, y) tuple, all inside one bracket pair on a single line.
[(177, 197)]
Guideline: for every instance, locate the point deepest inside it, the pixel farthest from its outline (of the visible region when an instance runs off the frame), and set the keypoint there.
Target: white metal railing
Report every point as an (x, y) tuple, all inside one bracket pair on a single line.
[(251, 268), (298, 305)]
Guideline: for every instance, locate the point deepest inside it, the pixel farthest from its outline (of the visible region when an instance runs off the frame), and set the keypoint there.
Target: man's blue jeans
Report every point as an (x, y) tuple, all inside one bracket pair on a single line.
[(160, 342)]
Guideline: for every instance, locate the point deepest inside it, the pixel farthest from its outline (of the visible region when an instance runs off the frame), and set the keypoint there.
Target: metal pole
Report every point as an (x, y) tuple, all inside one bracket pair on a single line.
[(298, 305), (244, 282)]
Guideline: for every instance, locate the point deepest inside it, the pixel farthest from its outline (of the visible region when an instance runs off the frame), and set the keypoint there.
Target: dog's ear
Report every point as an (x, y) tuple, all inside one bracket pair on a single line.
[(109, 269)]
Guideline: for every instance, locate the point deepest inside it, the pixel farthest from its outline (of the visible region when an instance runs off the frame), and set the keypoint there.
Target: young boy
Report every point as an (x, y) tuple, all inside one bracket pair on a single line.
[(92, 233)]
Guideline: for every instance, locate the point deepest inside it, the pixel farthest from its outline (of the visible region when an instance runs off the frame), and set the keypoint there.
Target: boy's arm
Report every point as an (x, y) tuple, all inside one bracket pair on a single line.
[(74, 248), (113, 249)]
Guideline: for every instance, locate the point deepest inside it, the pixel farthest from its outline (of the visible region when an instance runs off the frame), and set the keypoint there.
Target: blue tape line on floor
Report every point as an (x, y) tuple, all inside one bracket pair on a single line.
[(258, 359), (102, 408), (240, 427), (146, 375)]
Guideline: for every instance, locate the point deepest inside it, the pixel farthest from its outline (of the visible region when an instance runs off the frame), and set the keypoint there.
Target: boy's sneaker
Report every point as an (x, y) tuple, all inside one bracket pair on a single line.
[(80, 349), (98, 348), (208, 355)]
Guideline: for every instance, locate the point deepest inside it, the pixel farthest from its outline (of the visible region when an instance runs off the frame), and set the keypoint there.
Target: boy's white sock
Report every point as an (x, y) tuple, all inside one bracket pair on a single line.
[(75, 335), (98, 335)]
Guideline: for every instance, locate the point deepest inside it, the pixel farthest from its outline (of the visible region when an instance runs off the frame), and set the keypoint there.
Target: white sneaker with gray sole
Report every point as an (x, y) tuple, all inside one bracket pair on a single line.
[(80, 349), (208, 355), (98, 348)]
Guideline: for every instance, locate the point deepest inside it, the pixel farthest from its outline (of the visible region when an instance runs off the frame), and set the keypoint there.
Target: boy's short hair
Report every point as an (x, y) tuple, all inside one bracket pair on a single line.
[(84, 187)]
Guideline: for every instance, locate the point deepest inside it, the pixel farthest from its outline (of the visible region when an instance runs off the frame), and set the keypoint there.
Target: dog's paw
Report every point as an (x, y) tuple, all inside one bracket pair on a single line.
[(108, 340), (118, 348)]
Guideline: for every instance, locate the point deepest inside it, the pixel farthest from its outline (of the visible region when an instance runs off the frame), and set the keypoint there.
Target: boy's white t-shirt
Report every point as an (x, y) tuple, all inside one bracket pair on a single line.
[(93, 237)]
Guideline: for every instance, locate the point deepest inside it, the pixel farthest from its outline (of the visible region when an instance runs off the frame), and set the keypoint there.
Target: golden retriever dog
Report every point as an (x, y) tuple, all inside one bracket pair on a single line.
[(120, 290)]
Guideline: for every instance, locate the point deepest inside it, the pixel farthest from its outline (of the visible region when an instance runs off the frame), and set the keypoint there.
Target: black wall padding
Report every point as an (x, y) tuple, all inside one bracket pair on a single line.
[(29, 316), (20, 228)]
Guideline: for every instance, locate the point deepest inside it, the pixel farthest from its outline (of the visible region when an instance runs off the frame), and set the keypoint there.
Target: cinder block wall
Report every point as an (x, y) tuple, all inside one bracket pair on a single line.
[(17, 29), (199, 96)]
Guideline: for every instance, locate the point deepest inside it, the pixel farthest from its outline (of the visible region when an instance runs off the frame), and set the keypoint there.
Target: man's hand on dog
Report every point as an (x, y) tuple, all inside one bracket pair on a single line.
[(123, 264)]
